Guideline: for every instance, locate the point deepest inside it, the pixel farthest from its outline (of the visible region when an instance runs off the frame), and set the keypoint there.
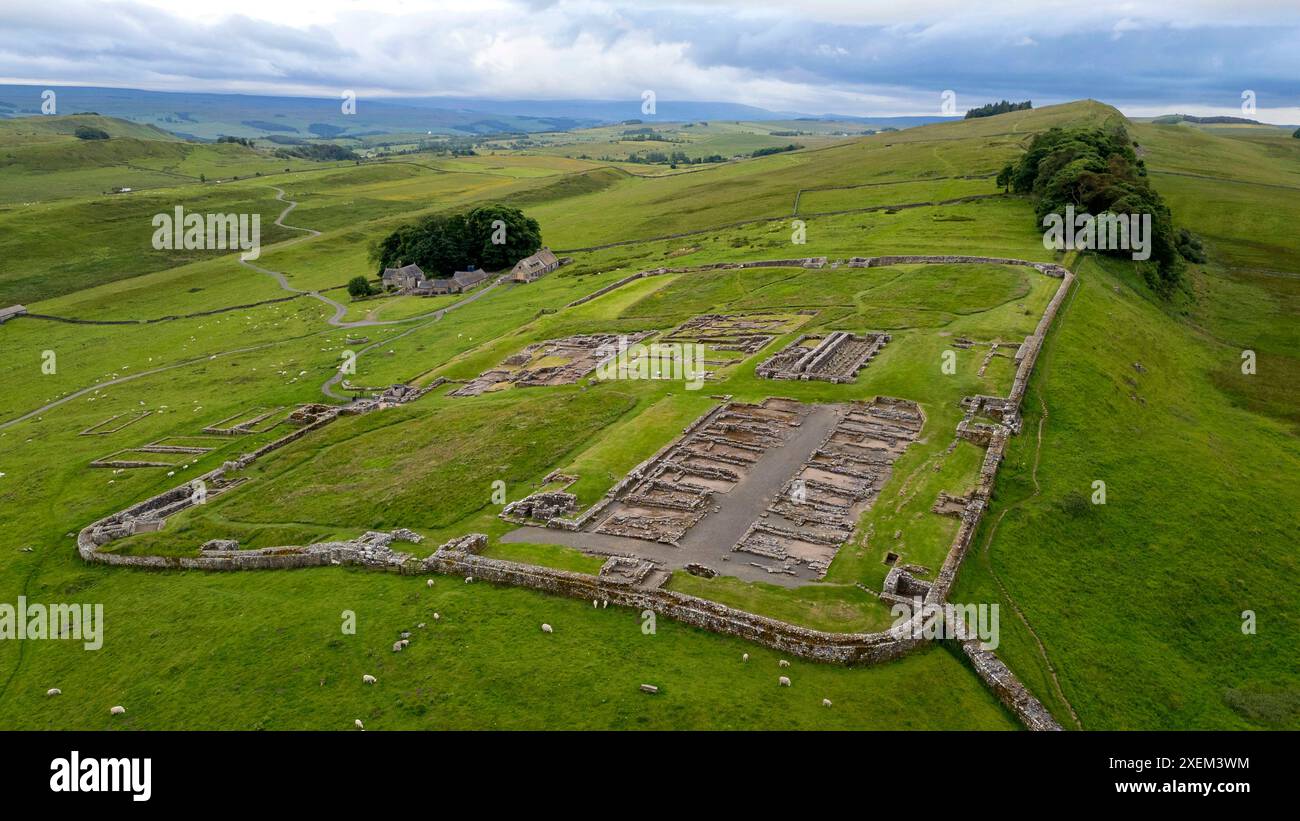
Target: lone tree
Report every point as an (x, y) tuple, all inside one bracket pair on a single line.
[(491, 237), (359, 286), (1004, 177)]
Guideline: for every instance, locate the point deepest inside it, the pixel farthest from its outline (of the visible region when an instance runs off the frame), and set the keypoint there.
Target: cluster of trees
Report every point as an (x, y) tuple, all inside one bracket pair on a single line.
[(1097, 171), (244, 141), (491, 237), (85, 132), (317, 151), (775, 149), (659, 157), (1001, 107)]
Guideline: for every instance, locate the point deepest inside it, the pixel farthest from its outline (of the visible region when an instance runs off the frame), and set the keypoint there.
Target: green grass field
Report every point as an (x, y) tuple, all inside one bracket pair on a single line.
[(1121, 615)]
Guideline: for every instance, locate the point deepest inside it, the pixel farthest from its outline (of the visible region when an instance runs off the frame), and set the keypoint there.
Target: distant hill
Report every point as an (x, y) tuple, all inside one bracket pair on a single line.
[(202, 116), (1171, 119)]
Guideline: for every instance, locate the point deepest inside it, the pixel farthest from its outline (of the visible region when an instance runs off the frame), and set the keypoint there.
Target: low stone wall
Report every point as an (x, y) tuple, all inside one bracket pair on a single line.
[(838, 648), (459, 557)]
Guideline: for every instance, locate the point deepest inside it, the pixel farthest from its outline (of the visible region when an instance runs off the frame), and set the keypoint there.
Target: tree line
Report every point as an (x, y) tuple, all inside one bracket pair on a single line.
[(491, 237), (1097, 171), (1001, 107)]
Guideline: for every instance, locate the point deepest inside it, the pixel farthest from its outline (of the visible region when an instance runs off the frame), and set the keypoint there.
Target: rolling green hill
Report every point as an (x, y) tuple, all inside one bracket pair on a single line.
[(1121, 615)]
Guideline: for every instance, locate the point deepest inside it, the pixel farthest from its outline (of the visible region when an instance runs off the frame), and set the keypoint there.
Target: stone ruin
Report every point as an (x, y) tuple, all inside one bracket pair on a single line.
[(542, 506), (836, 357), (627, 570), (241, 423), (400, 395), (947, 505), (745, 333), (581, 354), (101, 429), (675, 489), (818, 508), (459, 556), (998, 412)]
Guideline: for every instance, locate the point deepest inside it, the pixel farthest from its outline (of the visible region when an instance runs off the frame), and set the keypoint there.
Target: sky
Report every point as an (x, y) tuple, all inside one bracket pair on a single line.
[(811, 56)]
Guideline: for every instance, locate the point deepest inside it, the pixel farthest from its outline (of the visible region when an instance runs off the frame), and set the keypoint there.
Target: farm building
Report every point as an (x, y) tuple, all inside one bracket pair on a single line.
[(406, 278), (468, 279), (533, 267)]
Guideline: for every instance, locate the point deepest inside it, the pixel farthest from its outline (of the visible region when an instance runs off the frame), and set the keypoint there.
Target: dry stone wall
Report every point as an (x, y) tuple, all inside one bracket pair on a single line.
[(627, 586)]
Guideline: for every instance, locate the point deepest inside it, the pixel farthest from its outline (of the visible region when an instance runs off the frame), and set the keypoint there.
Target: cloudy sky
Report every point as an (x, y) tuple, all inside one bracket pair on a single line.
[(810, 56)]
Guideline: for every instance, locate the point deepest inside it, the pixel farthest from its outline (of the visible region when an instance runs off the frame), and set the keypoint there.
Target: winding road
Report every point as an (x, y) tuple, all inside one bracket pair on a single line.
[(340, 310)]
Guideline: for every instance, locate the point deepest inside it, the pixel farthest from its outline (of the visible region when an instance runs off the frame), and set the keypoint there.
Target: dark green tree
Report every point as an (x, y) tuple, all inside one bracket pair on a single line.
[(498, 236), (1096, 171), (359, 287), (445, 243)]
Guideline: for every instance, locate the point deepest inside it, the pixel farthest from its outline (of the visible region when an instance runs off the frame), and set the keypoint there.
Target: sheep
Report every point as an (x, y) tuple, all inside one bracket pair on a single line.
[(783, 663), (399, 646), (359, 725), (436, 617), (826, 702), (784, 681), (744, 656), (369, 679), (118, 710), (54, 691), (420, 626), (546, 628), (469, 579), (604, 603), (405, 634), (595, 603), (428, 583)]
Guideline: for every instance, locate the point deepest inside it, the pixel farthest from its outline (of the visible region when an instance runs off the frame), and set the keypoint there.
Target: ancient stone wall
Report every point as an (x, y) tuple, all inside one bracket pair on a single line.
[(839, 648)]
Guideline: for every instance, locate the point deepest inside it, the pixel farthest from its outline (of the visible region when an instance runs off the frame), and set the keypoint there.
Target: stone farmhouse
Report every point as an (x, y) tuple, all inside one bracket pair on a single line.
[(411, 281), (404, 278), (531, 268)]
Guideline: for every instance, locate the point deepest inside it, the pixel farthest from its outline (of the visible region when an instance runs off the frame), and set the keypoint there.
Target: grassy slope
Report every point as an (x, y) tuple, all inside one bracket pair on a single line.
[(178, 670), (1139, 603)]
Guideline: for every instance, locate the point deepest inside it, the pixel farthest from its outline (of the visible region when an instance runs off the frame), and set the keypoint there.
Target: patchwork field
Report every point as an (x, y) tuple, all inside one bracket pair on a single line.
[(1121, 615)]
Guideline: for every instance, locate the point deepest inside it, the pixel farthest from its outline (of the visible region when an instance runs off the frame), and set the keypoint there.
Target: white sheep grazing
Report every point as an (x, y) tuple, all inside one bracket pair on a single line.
[(784, 681), (436, 617), (604, 603), (783, 663), (429, 583), (595, 603), (744, 656), (546, 628), (826, 702), (118, 710), (54, 691), (420, 626), (399, 646), (469, 579), (369, 679), (359, 725)]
